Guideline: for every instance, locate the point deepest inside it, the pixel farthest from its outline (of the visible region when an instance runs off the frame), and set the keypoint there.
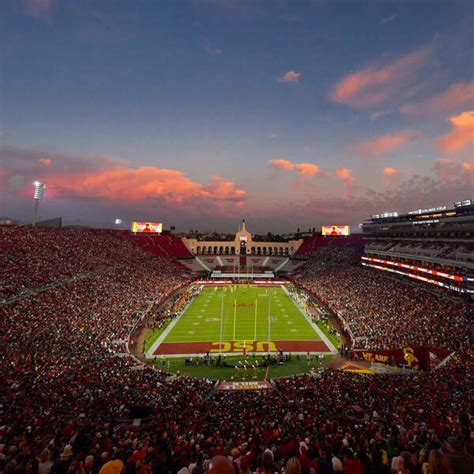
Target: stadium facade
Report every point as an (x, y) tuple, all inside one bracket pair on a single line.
[(433, 246)]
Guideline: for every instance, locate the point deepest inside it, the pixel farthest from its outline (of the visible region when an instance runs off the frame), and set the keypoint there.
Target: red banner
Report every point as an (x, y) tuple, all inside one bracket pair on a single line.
[(419, 357)]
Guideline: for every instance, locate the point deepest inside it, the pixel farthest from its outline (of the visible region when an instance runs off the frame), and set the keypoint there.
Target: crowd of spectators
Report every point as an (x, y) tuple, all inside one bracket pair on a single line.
[(381, 312), (34, 257), (69, 389)]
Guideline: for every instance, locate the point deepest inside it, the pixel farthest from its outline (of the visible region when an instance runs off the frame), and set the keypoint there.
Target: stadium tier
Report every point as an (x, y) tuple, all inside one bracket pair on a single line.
[(432, 246), (117, 358)]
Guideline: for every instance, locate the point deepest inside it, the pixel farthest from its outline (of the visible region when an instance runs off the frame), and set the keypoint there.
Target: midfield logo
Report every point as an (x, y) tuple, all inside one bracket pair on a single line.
[(239, 346)]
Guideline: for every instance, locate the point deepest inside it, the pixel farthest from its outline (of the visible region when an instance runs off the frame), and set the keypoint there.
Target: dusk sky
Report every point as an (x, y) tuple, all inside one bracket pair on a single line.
[(200, 113)]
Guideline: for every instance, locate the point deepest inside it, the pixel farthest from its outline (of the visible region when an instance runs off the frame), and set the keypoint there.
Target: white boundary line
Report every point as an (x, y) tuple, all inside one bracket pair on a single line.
[(231, 354), (312, 324), (168, 329), (202, 264)]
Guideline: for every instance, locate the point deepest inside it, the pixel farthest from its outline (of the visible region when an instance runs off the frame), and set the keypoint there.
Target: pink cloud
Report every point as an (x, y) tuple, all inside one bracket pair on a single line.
[(307, 169), (374, 85), (283, 165), (345, 175), (391, 172), (385, 143), (45, 162), (148, 182), (468, 166), (290, 76), (111, 179), (449, 171), (458, 95), (461, 135)]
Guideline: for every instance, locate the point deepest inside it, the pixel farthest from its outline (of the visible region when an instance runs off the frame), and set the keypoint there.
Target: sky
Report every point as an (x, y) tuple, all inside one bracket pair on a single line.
[(201, 113)]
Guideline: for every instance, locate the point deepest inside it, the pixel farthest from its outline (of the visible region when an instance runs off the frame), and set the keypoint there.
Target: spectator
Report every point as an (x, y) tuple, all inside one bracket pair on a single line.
[(438, 463), (293, 466)]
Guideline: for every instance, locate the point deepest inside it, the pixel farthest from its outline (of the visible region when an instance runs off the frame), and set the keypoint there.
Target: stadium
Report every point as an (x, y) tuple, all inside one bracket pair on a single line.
[(307, 347), (236, 237)]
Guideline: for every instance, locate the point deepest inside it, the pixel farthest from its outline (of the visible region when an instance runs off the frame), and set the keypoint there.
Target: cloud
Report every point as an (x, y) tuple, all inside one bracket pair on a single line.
[(283, 165), (37, 8), (461, 135), (449, 171), (385, 143), (390, 172), (402, 196), (345, 175), (379, 114), (388, 19), (375, 84), (305, 170), (458, 95), (46, 162), (290, 76), (110, 179)]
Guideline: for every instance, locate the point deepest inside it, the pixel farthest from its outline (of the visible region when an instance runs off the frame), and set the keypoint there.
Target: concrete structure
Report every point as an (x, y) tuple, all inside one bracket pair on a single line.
[(243, 244)]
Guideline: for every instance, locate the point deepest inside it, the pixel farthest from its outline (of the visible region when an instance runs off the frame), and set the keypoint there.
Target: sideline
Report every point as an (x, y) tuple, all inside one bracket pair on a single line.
[(323, 337), (151, 351)]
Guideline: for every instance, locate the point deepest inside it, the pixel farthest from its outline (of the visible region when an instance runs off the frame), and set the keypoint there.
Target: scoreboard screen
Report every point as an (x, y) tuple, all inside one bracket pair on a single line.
[(147, 227), (332, 230)]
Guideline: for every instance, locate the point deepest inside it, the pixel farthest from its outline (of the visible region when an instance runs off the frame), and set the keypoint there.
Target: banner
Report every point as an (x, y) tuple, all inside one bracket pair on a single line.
[(256, 385), (417, 357)]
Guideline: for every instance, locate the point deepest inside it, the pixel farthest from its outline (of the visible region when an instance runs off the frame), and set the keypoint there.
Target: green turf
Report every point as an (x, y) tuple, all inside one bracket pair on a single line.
[(332, 337), (151, 335), (245, 312)]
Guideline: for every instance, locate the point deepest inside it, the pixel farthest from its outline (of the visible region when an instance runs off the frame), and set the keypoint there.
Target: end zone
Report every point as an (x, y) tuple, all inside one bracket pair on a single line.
[(181, 349)]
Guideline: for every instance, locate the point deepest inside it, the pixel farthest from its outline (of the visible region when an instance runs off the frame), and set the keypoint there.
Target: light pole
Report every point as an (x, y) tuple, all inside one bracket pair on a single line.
[(37, 197)]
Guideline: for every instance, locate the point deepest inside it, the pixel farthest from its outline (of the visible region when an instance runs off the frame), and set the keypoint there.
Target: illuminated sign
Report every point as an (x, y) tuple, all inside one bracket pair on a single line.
[(384, 215), (333, 230), (243, 238), (467, 202), (147, 227), (420, 278), (431, 221), (423, 211), (414, 267)]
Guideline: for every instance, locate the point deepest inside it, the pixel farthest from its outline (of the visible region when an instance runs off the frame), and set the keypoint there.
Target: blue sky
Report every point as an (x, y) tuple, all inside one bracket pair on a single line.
[(198, 113)]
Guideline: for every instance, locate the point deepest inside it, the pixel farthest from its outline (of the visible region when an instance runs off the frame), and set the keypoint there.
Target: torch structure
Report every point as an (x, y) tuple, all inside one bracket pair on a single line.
[(37, 197)]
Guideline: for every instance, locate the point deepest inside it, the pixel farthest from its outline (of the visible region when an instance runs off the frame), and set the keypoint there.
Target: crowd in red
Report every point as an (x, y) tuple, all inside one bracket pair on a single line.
[(381, 312), (68, 384)]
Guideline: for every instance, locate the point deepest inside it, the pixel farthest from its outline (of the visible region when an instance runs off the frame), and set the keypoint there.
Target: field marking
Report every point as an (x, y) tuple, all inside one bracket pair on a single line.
[(227, 354), (168, 329), (194, 313), (312, 324), (235, 314), (255, 324)]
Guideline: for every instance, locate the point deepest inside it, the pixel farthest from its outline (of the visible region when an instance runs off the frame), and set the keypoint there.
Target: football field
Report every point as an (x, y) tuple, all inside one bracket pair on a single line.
[(229, 319)]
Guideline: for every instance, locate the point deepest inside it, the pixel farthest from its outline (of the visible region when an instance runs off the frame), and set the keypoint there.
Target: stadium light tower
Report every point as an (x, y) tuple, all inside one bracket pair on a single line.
[(37, 197)]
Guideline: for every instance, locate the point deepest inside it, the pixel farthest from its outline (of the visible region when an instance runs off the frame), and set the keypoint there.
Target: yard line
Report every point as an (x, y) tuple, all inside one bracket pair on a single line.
[(255, 325), (235, 311)]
